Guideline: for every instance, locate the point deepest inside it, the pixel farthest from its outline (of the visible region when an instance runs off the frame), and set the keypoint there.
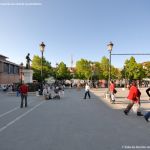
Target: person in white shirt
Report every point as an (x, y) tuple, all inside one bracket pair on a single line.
[(47, 93), (87, 91)]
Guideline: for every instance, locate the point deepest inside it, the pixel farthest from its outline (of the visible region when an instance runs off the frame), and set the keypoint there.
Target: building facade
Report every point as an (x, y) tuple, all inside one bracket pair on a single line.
[(9, 71)]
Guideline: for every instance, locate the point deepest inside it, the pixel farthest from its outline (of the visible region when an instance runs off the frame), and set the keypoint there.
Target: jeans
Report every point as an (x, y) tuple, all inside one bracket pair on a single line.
[(17, 93), (147, 115), (87, 93), (130, 105), (112, 96), (23, 96)]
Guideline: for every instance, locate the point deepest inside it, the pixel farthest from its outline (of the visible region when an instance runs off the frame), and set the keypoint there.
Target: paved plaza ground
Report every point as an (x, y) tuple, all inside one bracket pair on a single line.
[(72, 123)]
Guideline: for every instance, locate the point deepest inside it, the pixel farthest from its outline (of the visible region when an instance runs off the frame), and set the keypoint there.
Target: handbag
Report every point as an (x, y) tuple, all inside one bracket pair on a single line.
[(114, 91)]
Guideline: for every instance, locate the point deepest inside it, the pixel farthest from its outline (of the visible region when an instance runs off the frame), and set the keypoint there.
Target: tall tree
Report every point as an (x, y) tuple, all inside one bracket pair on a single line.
[(133, 70), (62, 71), (96, 70), (83, 69), (36, 66), (147, 69), (104, 65)]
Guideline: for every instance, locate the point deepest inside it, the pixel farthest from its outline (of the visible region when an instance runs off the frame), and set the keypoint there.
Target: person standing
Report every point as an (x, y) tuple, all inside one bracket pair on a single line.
[(87, 91), (112, 92), (17, 91), (133, 97), (24, 93)]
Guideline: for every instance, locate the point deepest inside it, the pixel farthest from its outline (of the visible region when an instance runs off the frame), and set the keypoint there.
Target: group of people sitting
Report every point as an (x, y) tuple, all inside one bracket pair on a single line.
[(53, 92)]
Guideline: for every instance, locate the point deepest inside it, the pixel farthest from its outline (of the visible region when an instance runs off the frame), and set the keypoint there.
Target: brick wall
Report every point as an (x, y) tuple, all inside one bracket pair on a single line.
[(8, 78)]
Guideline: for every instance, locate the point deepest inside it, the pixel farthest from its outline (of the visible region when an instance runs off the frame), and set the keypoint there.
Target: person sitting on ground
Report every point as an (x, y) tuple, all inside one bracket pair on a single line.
[(47, 93), (56, 93)]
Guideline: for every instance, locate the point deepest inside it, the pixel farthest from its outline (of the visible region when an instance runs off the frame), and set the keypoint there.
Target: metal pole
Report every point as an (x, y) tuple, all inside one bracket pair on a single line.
[(21, 69), (42, 74), (109, 79), (110, 65), (125, 76), (42, 68), (21, 75)]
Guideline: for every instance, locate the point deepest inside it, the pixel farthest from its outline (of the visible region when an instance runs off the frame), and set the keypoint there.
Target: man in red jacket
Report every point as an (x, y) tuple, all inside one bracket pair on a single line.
[(24, 93), (112, 93), (133, 97)]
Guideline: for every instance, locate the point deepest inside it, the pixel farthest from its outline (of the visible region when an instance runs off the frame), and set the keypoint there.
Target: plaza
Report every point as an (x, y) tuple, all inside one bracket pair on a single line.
[(72, 123)]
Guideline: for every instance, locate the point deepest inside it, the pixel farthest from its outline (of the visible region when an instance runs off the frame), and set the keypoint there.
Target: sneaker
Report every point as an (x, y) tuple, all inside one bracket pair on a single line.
[(112, 102), (125, 112), (139, 114)]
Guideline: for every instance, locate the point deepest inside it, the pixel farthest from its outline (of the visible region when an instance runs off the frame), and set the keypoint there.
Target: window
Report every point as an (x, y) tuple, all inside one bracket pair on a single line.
[(16, 70), (11, 69), (6, 67)]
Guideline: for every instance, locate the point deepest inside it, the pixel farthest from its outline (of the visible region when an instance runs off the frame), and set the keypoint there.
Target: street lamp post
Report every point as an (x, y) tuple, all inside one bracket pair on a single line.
[(109, 46), (91, 71), (42, 48), (125, 76), (21, 72)]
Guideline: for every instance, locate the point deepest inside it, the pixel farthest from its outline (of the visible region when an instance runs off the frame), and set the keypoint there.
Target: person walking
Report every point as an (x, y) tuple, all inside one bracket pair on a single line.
[(87, 91), (24, 93), (148, 92), (134, 98), (112, 92)]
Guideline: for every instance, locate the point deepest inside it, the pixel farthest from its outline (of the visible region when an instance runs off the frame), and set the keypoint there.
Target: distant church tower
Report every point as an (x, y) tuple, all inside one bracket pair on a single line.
[(71, 61)]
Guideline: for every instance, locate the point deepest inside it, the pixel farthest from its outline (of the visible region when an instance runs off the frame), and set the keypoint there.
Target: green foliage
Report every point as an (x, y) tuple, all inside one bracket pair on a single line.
[(83, 69), (115, 73), (62, 72), (36, 66), (147, 69), (104, 65), (133, 70), (96, 70)]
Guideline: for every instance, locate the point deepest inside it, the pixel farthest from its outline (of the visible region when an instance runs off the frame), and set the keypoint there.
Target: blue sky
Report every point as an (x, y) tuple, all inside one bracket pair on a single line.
[(81, 28)]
